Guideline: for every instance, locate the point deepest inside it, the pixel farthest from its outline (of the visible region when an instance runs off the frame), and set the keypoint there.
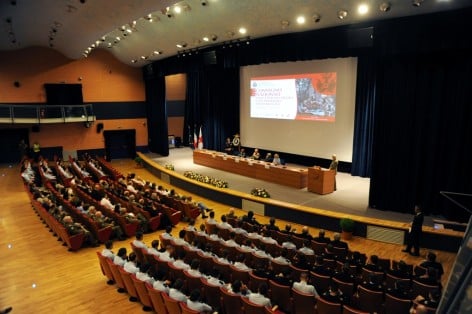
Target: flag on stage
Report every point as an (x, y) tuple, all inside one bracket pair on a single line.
[(195, 139), (200, 139)]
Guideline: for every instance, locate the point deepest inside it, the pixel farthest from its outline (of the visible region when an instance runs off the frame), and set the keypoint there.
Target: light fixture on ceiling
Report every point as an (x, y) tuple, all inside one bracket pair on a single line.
[(242, 30), (204, 2), (284, 24), (181, 45), (301, 19), (316, 18), (385, 6), (417, 3), (342, 14), (362, 9)]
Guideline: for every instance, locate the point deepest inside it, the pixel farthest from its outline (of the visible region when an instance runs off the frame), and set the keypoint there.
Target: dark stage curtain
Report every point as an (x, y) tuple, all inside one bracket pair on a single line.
[(423, 133), (156, 113), (364, 117), (213, 102)]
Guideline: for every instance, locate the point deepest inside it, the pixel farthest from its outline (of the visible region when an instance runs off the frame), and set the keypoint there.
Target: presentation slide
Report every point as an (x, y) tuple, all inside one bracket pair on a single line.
[(309, 96), (304, 108)]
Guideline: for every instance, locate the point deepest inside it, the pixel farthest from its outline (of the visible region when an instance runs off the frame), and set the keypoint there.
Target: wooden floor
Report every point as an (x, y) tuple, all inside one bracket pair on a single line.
[(39, 275)]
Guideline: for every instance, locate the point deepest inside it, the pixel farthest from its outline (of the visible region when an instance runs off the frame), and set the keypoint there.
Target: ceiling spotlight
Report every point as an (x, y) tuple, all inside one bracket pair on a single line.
[(284, 24), (110, 45), (385, 7), (157, 52), (316, 18), (214, 37), (416, 3), (181, 45), (204, 2), (301, 20), (206, 38), (134, 61), (342, 14), (242, 30)]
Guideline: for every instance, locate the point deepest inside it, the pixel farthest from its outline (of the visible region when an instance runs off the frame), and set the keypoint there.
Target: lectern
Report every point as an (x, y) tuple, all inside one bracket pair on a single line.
[(320, 180)]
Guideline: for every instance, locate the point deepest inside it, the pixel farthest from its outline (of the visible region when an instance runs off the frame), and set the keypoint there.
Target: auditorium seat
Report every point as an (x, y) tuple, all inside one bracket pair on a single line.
[(156, 300), (303, 303), (106, 271), (172, 305), (130, 288), (143, 294)]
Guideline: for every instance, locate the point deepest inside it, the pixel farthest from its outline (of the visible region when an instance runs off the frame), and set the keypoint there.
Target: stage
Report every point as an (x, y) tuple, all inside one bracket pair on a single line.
[(351, 197)]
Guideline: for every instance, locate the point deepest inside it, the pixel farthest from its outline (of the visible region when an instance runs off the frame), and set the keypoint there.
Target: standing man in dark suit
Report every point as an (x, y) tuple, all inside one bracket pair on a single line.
[(414, 234), (334, 166)]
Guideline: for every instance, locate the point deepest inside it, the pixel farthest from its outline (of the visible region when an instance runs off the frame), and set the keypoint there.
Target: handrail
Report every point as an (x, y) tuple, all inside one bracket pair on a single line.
[(40, 114)]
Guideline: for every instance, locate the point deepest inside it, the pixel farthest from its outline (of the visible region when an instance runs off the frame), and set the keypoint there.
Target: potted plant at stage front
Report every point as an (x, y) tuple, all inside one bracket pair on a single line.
[(347, 227), (139, 162)]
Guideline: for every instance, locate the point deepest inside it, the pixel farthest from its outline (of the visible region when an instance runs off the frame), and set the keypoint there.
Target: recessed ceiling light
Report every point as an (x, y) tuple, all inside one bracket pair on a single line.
[(342, 14), (242, 30), (301, 20), (363, 9), (385, 7)]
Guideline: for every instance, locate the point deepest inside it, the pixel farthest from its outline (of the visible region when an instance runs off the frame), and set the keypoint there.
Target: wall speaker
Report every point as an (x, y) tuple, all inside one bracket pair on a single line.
[(35, 128), (99, 127)]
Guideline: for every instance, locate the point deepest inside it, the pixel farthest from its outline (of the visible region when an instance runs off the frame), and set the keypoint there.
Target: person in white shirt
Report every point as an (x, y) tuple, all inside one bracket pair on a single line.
[(166, 235), (160, 284), (260, 297), (168, 254), (211, 220), (224, 223), (305, 249), (181, 239), (240, 263), (282, 258), (179, 262), (267, 239), (130, 265), (121, 257), (231, 241), (107, 252), (195, 304), (194, 268), (176, 293), (105, 202), (138, 241), (143, 274), (303, 286), (154, 249)]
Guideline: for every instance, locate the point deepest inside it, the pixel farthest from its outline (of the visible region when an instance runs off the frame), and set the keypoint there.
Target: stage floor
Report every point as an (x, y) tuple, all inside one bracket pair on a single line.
[(351, 197)]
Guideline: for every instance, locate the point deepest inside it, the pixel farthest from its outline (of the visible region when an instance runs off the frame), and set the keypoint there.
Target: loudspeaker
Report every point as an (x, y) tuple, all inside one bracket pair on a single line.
[(209, 57), (178, 141), (35, 128), (99, 127)]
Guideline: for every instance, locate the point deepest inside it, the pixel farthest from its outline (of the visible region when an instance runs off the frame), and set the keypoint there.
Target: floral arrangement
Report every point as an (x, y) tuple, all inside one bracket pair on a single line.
[(260, 192), (206, 179), (169, 167)]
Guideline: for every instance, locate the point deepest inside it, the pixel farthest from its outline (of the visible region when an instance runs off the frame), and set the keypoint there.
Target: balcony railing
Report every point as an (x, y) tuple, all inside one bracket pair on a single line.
[(42, 114)]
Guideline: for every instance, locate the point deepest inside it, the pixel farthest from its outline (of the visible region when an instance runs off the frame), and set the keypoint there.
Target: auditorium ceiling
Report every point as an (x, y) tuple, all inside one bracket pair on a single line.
[(138, 32)]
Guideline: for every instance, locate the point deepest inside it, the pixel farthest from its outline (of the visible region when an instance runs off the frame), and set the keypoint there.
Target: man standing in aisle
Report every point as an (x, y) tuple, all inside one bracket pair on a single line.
[(414, 233), (334, 166)]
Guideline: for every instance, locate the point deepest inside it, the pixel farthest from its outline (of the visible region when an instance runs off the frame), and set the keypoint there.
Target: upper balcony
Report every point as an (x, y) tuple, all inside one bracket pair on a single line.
[(46, 114)]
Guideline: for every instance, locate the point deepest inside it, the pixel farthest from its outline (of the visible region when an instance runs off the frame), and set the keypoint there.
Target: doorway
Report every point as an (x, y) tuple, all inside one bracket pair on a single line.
[(9, 143), (120, 144)]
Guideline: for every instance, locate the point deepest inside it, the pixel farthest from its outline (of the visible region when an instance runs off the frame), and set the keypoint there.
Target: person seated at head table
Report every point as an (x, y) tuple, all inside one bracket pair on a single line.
[(268, 157), (256, 155), (242, 153), (276, 161)]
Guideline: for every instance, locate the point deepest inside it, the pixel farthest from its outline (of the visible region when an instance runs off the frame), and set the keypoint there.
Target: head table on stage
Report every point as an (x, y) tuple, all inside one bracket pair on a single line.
[(290, 176)]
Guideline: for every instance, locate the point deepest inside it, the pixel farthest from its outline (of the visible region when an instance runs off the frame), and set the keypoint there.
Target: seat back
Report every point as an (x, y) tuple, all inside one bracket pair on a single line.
[(116, 274), (369, 300), (326, 307), (128, 284), (390, 281), (172, 306), (352, 310), (106, 271), (419, 288), (211, 294), (142, 292), (186, 310), (321, 282), (138, 252), (236, 274), (394, 305), (303, 303), (281, 295), (252, 308), (231, 303), (347, 288), (255, 281), (156, 300)]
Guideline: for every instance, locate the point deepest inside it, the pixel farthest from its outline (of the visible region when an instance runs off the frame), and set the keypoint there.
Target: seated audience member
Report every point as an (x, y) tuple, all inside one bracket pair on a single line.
[(240, 263), (74, 228), (121, 257), (431, 262), (337, 241), (104, 222), (256, 155), (345, 274), (138, 241), (168, 254), (431, 300), (224, 223), (194, 270), (283, 278), (320, 268), (260, 297), (288, 244), (249, 218), (130, 266), (179, 262), (276, 160), (107, 251), (268, 157), (306, 248), (231, 242), (145, 274), (303, 286), (237, 287), (176, 291), (400, 290), (373, 282), (167, 235), (195, 303), (334, 294), (160, 283), (229, 146), (305, 234), (373, 264), (211, 220), (400, 271), (430, 278), (300, 261), (214, 279), (231, 213), (321, 238), (288, 229), (283, 257), (271, 225), (154, 249)]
